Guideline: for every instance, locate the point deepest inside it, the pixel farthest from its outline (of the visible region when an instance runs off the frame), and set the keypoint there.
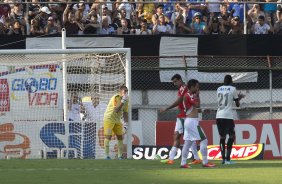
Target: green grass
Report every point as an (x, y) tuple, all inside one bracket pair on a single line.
[(135, 171)]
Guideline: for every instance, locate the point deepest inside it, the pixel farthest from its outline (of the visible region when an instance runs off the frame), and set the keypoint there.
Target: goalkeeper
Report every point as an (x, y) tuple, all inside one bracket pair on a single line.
[(116, 109)]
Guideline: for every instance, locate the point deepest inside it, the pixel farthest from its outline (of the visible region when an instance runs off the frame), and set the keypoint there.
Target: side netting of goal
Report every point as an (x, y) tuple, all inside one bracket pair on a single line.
[(52, 102)]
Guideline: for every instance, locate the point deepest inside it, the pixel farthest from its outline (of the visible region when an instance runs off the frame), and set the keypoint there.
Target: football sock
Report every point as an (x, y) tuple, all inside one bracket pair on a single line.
[(172, 153), (185, 151), (195, 150), (107, 146), (120, 146), (204, 150), (222, 148), (229, 148)]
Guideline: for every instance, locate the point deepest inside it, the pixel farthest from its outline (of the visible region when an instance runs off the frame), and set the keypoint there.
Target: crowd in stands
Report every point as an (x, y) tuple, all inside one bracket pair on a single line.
[(149, 17)]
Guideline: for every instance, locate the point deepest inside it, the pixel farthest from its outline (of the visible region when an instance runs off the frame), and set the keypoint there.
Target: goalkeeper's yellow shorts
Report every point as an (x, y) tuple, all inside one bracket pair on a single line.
[(110, 128)]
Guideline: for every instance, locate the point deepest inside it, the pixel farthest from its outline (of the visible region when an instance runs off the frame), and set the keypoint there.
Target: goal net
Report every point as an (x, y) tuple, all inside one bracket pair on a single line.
[(52, 102)]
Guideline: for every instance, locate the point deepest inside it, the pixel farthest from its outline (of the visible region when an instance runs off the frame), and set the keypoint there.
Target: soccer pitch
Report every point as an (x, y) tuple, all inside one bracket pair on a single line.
[(77, 171)]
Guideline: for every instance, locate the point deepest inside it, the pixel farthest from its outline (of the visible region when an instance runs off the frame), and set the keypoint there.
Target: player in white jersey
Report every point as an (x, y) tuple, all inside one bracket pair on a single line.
[(192, 130), (226, 95)]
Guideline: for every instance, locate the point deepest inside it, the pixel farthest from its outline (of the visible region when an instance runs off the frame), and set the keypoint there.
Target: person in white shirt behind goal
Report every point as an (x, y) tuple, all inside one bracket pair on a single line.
[(74, 107), (226, 94), (93, 108)]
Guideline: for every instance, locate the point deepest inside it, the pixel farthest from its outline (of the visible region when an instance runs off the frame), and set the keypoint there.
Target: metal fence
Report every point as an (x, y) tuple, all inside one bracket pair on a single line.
[(258, 77)]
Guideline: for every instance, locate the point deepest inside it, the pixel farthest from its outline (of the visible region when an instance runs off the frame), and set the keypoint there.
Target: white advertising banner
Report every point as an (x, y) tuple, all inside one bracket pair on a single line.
[(32, 94)]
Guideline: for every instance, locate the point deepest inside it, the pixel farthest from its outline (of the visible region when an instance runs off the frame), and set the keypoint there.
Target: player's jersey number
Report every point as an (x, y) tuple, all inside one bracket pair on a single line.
[(223, 99)]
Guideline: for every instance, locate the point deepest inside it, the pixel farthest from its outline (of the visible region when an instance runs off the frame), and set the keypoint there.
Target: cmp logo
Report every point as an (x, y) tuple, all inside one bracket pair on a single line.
[(12, 143)]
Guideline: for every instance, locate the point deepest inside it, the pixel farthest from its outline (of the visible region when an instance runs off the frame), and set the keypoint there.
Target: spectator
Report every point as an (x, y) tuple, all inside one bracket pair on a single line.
[(162, 27), (117, 20), (278, 25), (270, 10), (57, 20), (106, 28), (147, 12), (261, 27), (143, 29), (124, 28), (18, 14), (159, 12), (236, 27), (5, 10), (33, 9), (214, 26), (128, 7), (42, 17), (16, 29), (70, 22), (92, 25), (255, 12), (198, 26), (3, 29), (180, 26), (224, 18), (35, 29), (51, 28), (237, 10)]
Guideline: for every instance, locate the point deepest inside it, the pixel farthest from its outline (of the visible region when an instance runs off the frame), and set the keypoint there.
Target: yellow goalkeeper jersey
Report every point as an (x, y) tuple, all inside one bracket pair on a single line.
[(110, 114)]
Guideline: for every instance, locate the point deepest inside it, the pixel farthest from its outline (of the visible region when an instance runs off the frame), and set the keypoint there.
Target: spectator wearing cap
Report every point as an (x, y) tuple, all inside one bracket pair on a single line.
[(261, 27), (42, 17), (159, 11), (196, 6), (214, 26), (198, 26), (235, 26), (51, 28), (70, 23)]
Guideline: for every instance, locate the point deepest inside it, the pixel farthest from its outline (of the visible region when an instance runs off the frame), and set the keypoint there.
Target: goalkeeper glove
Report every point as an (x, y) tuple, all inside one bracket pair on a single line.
[(124, 98)]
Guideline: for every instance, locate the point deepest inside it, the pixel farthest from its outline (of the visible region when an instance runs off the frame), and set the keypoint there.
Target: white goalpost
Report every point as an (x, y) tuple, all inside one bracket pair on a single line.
[(52, 101)]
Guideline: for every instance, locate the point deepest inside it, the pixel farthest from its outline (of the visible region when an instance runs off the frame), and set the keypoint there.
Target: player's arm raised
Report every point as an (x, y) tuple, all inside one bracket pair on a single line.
[(237, 100)]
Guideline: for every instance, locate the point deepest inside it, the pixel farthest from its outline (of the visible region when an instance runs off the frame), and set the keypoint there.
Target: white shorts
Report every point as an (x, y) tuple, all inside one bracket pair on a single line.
[(179, 125), (192, 130)]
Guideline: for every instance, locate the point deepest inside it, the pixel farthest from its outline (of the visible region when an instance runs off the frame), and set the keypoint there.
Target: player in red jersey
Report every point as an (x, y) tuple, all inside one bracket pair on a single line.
[(179, 129), (192, 130)]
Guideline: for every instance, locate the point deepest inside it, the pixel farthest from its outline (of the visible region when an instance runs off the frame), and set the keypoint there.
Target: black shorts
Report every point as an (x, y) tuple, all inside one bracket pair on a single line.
[(225, 126)]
